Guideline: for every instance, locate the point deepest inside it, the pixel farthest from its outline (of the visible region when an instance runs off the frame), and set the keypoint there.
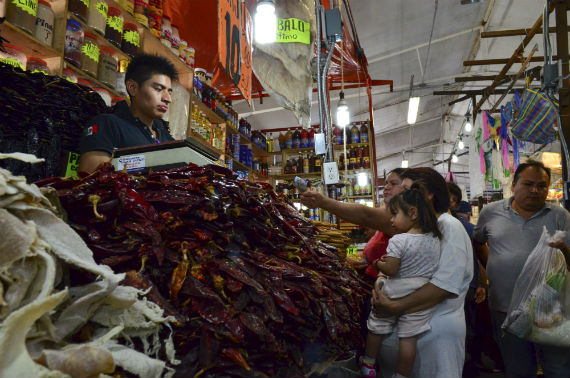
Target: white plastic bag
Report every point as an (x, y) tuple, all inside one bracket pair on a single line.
[(539, 311)]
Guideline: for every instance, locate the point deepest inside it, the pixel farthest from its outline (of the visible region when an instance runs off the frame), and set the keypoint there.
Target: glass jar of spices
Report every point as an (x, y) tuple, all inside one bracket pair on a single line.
[(37, 65), (22, 14), (69, 75), (13, 56), (73, 42), (131, 39), (90, 54), (45, 17), (114, 29), (97, 18), (166, 35), (129, 5), (107, 72), (79, 8), (141, 12), (155, 24)]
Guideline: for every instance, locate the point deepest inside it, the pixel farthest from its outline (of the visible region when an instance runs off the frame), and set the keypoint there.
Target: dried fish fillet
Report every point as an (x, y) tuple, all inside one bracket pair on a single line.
[(15, 360)]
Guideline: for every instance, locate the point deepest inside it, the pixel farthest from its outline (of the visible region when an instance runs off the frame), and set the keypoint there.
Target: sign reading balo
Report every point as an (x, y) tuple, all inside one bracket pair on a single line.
[(235, 42), (293, 30)]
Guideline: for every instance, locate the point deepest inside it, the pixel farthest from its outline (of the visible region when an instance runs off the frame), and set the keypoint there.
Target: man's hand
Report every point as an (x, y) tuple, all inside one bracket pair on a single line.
[(480, 294), (312, 199), (565, 250)]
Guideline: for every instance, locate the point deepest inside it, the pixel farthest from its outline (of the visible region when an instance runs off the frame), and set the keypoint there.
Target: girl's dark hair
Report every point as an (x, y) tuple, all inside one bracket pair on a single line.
[(416, 197)]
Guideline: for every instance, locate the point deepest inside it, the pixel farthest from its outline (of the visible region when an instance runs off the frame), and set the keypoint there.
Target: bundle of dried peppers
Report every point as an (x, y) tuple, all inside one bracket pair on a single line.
[(238, 267)]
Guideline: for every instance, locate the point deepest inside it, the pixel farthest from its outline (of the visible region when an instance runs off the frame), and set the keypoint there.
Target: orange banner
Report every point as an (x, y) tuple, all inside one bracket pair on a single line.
[(235, 37)]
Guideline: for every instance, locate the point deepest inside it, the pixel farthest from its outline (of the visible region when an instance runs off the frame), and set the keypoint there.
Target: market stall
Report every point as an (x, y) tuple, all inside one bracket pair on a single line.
[(136, 270)]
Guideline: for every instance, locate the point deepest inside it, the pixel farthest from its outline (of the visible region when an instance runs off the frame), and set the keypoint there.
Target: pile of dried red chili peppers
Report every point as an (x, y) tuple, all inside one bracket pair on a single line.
[(237, 267)]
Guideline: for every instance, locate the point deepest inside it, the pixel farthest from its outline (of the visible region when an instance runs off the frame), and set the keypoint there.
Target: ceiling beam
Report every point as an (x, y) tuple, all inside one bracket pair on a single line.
[(514, 32), (512, 60), (411, 149), (463, 79), (471, 92), (405, 126), (412, 48)]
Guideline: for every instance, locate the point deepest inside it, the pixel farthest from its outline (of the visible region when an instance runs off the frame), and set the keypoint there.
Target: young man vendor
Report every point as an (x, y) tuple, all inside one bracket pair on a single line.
[(149, 83)]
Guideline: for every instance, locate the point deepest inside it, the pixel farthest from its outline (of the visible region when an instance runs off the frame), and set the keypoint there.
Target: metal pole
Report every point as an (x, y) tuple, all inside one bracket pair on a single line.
[(564, 92)]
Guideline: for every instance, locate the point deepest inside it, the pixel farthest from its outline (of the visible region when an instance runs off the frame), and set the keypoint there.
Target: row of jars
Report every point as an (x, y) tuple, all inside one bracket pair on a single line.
[(108, 21), (34, 16), (213, 98)]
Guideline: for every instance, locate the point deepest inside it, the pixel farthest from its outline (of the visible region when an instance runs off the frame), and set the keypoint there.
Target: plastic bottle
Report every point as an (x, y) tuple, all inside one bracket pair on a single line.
[(270, 143), (300, 163), (365, 158), (288, 139), (337, 132), (318, 163), (296, 139), (349, 189), (306, 164), (364, 133), (281, 139), (352, 163), (312, 137), (304, 138), (341, 161), (355, 134), (358, 161)]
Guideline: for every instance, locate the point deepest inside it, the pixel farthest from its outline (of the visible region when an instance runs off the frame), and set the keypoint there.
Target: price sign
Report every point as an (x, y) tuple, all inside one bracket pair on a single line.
[(235, 35)]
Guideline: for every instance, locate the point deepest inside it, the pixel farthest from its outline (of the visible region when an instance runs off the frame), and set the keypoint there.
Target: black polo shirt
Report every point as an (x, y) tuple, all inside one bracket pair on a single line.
[(121, 129)]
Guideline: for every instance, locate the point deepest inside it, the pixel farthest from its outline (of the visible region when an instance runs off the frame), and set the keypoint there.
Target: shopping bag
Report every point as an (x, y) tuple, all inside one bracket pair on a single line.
[(539, 311), (536, 118)]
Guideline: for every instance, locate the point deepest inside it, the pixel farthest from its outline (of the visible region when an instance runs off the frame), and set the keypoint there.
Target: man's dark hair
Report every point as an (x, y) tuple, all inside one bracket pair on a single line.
[(434, 183), (530, 164), (143, 66), (455, 190)]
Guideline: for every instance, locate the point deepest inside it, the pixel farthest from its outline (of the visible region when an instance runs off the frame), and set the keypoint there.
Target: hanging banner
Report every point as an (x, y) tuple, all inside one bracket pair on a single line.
[(235, 37)]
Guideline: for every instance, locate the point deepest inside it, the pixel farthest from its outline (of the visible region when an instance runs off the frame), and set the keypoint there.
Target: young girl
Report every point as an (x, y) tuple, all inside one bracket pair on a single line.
[(411, 259)]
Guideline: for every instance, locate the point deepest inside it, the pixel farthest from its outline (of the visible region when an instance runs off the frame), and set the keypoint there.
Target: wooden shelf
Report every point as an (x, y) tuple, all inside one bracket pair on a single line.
[(209, 113), (258, 151), (198, 138), (32, 47), (241, 166), (293, 175), (360, 170), (340, 147), (101, 40), (96, 83), (290, 151)]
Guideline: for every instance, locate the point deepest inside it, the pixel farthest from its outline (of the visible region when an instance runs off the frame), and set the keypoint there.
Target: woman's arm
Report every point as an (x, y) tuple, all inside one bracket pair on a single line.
[(425, 297), (376, 218)]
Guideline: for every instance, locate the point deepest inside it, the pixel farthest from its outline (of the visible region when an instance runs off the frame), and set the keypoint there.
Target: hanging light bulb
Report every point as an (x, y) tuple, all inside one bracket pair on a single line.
[(468, 125), (413, 106), (460, 144), (454, 158), (405, 162), (342, 113), (265, 23)]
